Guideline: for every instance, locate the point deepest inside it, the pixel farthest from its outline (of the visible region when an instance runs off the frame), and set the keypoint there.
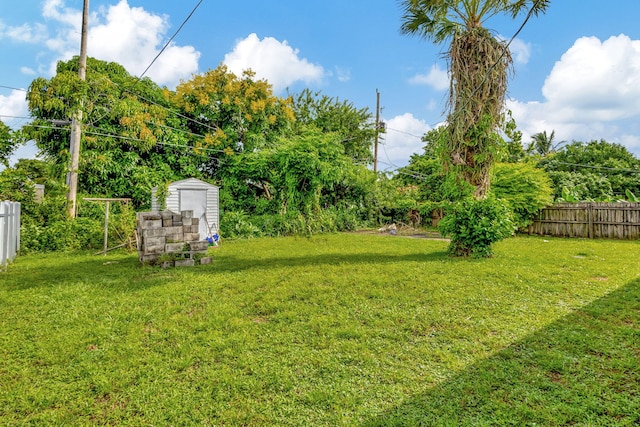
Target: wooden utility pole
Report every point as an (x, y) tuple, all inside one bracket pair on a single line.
[(375, 149), (76, 122)]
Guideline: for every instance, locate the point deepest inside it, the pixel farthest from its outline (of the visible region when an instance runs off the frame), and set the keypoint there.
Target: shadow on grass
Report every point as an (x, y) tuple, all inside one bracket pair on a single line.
[(65, 268), (230, 263), (581, 370), (124, 271)]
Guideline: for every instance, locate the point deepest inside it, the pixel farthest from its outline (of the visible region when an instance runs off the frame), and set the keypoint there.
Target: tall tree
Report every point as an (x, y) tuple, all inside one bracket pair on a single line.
[(131, 140), (543, 143), (341, 117), (236, 114), (478, 66)]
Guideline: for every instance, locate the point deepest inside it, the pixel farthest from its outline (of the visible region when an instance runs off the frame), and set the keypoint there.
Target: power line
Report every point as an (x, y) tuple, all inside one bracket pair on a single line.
[(16, 117), (171, 39), (597, 167), (13, 88), (405, 133), (488, 72), (129, 138)]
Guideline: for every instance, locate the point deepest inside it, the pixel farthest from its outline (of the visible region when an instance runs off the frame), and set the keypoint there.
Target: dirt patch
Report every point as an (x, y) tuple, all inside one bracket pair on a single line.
[(407, 232)]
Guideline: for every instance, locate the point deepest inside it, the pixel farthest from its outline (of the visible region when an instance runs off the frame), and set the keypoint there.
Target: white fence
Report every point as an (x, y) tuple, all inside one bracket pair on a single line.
[(9, 232)]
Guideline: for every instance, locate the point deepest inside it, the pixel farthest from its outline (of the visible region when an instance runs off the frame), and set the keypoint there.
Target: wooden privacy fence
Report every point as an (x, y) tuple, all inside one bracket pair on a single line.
[(589, 220), (9, 232)]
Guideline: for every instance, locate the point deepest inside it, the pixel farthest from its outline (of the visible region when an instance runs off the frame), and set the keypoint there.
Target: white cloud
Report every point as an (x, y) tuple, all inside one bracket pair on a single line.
[(130, 36), (27, 71), (56, 10), (591, 90), (13, 105), (402, 139), (24, 33), (598, 79), (273, 60), (437, 78), (520, 51), (344, 74)]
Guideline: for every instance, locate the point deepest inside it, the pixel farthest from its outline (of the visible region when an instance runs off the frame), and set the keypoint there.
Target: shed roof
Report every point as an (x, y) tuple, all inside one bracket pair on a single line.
[(192, 182)]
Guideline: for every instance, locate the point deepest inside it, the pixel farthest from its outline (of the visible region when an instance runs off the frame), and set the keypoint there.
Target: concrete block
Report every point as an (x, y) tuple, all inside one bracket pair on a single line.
[(150, 259), (206, 260), (195, 221), (174, 247), (187, 214), (149, 224), (187, 221), (154, 232), (148, 216), (177, 217), (167, 215), (172, 230), (155, 241), (153, 250), (191, 237), (175, 238), (185, 263), (201, 245), (167, 223)]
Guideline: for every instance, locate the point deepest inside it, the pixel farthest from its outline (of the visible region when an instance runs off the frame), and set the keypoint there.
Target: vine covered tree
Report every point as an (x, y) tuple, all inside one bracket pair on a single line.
[(478, 66)]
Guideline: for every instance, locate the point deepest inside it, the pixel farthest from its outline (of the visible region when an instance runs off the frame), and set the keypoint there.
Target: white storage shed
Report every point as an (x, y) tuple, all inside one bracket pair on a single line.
[(192, 195)]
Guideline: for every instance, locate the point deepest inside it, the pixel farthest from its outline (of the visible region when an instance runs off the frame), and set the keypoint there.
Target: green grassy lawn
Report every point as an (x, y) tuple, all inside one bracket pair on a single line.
[(335, 330)]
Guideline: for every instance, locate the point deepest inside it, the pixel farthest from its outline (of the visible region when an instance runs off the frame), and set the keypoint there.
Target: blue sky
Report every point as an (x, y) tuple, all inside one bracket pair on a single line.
[(577, 68)]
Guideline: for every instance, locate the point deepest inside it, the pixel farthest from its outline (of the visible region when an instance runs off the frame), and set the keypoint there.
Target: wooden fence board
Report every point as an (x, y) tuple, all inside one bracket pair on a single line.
[(589, 220)]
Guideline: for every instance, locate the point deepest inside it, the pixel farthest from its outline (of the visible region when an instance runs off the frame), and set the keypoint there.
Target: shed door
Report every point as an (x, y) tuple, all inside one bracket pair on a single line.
[(196, 201)]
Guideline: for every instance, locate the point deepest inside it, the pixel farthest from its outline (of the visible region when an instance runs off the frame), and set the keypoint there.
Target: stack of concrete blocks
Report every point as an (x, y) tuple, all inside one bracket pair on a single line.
[(170, 239)]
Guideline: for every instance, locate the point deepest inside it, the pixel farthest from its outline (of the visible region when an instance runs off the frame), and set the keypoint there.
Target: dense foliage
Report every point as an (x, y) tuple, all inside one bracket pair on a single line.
[(596, 170), (45, 225), (294, 165), (284, 165), (6, 143), (523, 187), (473, 225)]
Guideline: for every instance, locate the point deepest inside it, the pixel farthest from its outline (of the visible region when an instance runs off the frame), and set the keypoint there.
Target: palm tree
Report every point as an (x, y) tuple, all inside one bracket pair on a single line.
[(542, 144), (478, 65)]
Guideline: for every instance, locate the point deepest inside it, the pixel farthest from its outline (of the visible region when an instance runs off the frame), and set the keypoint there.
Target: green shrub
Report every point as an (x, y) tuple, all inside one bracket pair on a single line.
[(474, 225), (525, 188), (237, 224), (583, 186), (47, 227), (62, 235)]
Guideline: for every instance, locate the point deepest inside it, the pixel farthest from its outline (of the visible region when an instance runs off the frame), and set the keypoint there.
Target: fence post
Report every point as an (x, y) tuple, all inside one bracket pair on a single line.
[(590, 220), (9, 232), (4, 233), (16, 225)]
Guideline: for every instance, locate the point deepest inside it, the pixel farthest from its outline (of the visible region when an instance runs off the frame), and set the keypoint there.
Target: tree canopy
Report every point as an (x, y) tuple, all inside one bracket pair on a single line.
[(7, 144), (268, 154), (595, 170)]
